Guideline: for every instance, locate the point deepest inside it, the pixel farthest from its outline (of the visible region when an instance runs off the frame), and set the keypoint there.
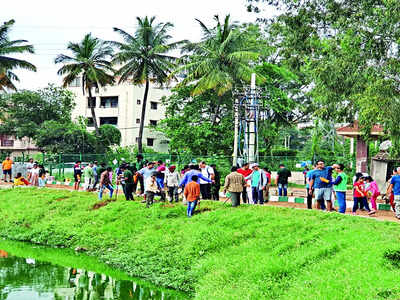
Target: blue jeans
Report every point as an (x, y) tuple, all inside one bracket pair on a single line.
[(282, 187), (191, 206), (103, 187), (257, 195), (341, 198), (363, 201)]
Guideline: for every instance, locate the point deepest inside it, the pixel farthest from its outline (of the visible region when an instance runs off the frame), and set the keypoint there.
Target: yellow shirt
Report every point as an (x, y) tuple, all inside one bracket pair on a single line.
[(7, 164)]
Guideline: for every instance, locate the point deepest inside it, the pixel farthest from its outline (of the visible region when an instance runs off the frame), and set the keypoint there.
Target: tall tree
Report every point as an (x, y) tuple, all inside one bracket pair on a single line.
[(90, 62), (143, 58), (8, 64)]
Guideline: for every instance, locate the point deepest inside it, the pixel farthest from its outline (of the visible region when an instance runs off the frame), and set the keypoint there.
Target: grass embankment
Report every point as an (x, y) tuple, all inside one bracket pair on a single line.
[(251, 252)]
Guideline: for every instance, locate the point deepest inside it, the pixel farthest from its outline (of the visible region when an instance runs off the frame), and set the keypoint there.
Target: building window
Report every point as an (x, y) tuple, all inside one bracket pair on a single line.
[(107, 102), (91, 102), (75, 83), (90, 122), (109, 120), (153, 105), (138, 101), (153, 122), (150, 142), (137, 121)]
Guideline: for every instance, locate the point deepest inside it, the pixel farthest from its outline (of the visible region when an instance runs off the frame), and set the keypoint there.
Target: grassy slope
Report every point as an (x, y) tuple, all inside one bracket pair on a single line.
[(247, 253)]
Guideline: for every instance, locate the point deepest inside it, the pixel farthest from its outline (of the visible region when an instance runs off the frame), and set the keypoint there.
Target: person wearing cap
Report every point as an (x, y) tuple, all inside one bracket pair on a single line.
[(171, 181), (258, 182), (151, 188)]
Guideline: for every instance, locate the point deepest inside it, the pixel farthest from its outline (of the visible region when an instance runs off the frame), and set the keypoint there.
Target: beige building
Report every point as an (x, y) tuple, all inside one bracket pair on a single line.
[(15, 147), (121, 105)]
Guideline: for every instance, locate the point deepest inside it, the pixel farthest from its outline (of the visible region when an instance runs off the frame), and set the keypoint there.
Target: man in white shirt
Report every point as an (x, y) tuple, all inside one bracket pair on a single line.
[(205, 187)]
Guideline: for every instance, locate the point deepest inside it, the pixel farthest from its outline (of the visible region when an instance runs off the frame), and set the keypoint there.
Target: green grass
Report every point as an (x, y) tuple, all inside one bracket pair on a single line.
[(250, 252)]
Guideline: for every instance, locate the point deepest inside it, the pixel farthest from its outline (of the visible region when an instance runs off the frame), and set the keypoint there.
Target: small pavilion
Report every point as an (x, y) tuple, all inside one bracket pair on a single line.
[(353, 131)]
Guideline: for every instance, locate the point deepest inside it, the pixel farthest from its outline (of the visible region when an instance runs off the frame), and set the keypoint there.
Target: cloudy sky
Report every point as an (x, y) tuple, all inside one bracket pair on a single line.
[(50, 24)]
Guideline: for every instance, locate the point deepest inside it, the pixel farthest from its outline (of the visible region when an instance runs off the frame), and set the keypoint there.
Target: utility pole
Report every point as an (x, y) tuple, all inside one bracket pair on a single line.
[(247, 114)]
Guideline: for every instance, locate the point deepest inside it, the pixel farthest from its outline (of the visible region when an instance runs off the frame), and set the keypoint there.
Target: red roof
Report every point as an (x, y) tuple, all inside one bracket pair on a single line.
[(352, 130)]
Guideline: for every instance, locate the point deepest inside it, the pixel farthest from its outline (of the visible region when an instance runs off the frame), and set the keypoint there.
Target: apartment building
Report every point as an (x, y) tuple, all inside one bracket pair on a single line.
[(9, 145), (121, 106)]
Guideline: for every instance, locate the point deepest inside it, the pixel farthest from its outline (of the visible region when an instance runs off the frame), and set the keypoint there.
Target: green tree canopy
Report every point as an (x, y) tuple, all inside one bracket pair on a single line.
[(144, 58), (23, 112), (7, 63), (89, 63)]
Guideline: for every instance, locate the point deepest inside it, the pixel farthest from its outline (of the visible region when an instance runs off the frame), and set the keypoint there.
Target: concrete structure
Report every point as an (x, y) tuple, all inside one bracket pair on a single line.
[(353, 131), (15, 147), (121, 105)]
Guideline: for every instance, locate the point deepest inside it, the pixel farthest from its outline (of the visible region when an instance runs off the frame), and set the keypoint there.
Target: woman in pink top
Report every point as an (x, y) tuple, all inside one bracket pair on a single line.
[(372, 191)]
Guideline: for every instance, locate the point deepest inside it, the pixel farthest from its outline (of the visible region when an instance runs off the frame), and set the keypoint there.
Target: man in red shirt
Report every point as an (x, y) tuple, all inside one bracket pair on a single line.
[(245, 171)]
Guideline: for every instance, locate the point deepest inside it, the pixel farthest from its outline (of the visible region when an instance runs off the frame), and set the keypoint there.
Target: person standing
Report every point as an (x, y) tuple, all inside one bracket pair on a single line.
[(89, 177), (216, 185), (245, 171), (172, 182), (7, 168), (395, 188), (322, 185), (310, 188), (234, 184), (205, 186), (151, 188), (105, 183), (372, 191), (127, 176), (29, 166), (258, 183), (340, 187), (266, 190), (95, 175), (360, 195), (77, 174), (35, 175), (282, 179), (192, 194)]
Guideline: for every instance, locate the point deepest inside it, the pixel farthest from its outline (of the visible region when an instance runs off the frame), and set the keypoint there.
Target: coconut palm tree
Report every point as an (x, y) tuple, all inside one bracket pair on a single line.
[(8, 64), (143, 59), (90, 62), (224, 57)]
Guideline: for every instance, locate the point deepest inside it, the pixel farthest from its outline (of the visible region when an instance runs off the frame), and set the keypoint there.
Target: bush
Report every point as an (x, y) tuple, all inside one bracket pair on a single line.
[(283, 152)]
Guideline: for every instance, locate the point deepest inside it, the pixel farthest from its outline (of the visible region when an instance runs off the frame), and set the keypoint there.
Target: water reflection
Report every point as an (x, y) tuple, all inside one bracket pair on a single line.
[(26, 278)]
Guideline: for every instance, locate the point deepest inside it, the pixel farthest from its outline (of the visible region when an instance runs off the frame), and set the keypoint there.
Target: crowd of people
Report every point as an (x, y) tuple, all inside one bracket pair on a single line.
[(247, 184)]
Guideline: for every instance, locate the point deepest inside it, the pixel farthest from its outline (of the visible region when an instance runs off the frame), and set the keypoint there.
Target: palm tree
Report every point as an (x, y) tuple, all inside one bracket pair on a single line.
[(143, 59), (224, 57), (7, 64), (90, 61)]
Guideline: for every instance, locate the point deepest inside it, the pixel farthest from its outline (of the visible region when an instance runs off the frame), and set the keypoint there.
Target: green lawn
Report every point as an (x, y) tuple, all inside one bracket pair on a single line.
[(250, 252)]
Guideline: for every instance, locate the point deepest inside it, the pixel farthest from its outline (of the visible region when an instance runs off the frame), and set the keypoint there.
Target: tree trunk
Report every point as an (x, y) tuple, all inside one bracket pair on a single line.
[(96, 127), (146, 91), (216, 112)]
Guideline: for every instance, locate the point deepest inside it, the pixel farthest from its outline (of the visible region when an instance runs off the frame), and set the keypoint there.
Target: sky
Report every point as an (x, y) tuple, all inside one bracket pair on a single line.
[(50, 24)]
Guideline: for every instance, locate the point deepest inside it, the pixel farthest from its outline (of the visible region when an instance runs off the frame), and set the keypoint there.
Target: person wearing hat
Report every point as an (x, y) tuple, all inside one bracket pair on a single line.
[(171, 181), (258, 182)]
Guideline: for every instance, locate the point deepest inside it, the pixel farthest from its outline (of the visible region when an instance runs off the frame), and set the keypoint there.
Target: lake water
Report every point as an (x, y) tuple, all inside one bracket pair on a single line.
[(23, 277)]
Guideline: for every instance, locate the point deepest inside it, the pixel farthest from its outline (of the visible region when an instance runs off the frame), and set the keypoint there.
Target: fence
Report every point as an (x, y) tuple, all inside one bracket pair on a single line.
[(61, 165)]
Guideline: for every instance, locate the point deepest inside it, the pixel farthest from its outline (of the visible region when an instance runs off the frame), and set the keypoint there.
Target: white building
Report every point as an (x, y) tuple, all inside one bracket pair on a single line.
[(121, 105)]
